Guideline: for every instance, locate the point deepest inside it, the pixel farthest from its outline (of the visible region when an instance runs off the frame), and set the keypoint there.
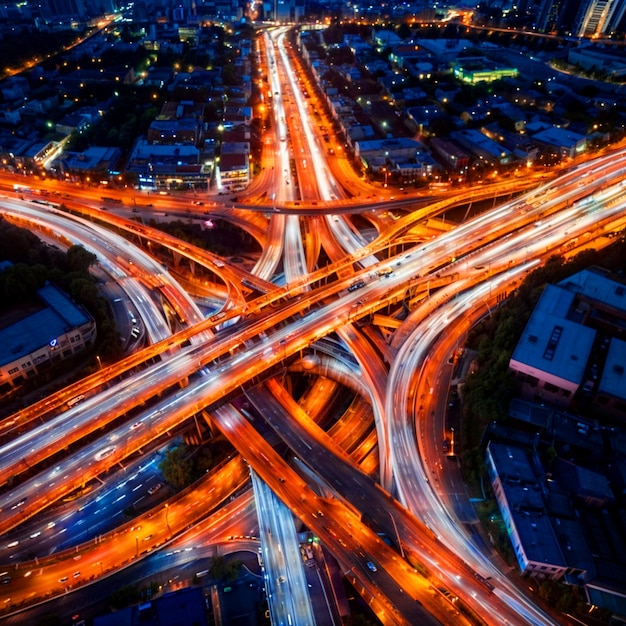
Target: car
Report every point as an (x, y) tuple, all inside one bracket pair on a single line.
[(147, 538), (76, 574), (356, 285), (136, 425), (154, 488), (63, 580), (104, 453), (372, 567)]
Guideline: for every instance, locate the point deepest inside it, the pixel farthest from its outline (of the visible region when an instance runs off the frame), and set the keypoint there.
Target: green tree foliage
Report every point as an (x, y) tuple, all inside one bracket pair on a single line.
[(333, 35), (341, 55), (404, 31), (177, 466), (230, 75), (79, 259), (223, 238), (124, 596), (225, 570), (84, 290), (130, 116), (34, 263), (182, 464), (487, 391), (16, 243)]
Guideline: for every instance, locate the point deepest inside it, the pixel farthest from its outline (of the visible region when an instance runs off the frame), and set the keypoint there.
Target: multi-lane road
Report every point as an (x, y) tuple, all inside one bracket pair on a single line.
[(205, 363)]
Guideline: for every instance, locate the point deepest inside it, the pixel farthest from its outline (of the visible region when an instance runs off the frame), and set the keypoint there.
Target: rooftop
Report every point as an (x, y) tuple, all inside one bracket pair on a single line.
[(41, 328), (553, 344)]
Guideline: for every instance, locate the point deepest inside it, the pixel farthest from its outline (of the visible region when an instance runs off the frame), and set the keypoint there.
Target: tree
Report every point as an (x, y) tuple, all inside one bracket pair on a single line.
[(177, 466), (230, 75), (225, 570), (333, 35), (404, 31), (124, 596), (79, 259)]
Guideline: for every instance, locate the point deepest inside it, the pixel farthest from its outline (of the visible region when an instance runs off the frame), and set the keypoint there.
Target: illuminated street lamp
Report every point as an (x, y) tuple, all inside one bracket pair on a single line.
[(169, 530)]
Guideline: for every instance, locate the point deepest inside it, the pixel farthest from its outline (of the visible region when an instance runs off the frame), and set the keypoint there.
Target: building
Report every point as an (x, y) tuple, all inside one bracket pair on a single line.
[(564, 521), (592, 57), (96, 160), (445, 50), (450, 154), (575, 340), (550, 358), (519, 495), (422, 116), (566, 143), (611, 390), (183, 606), (10, 114), (398, 147), (484, 148), (598, 17), (179, 122), (63, 9), (585, 487), (474, 70), (234, 170), (58, 330), (168, 166)]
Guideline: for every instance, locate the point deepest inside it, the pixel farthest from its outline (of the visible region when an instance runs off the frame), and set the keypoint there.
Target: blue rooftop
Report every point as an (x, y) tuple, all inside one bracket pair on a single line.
[(42, 327), (553, 344)]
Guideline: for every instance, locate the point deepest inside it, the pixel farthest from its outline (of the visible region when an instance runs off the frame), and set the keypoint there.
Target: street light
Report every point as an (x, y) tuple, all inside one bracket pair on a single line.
[(169, 530), (393, 521)]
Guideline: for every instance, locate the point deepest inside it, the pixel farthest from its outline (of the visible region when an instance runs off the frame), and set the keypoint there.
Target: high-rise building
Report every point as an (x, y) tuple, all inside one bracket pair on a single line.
[(615, 20), (63, 8), (556, 15), (548, 15), (288, 10), (599, 17)]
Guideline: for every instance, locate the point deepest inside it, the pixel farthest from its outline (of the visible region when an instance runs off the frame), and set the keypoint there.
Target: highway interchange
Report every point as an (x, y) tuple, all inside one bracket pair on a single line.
[(193, 365)]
